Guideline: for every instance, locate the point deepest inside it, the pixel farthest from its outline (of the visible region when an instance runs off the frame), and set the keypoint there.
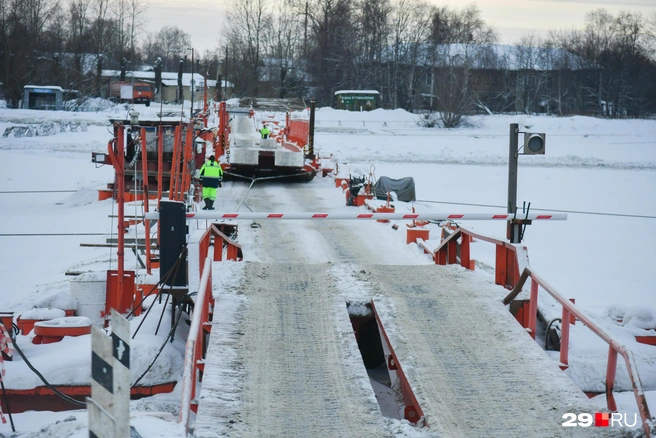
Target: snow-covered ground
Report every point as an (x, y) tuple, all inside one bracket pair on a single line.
[(602, 256)]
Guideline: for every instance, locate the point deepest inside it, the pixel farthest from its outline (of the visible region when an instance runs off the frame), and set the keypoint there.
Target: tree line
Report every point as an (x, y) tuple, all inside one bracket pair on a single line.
[(422, 56), (68, 44), (418, 56)]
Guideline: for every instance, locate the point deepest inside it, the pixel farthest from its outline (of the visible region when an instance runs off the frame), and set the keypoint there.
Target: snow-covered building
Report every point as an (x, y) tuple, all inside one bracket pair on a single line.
[(170, 84), (44, 97)]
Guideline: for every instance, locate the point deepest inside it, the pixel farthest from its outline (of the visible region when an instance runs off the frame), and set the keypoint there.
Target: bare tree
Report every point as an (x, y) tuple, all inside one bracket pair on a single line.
[(373, 28), (78, 11), (22, 42), (100, 10), (651, 36), (282, 43), (246, 24), (530, 61), (616, 51), (136, 19), (170, 43), (461, 40), (410, 30), (331, 54), (400, 23), (37, 13)]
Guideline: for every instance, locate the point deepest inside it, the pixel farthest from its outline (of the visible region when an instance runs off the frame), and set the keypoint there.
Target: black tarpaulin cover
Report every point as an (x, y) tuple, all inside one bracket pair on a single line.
[(404, 188)]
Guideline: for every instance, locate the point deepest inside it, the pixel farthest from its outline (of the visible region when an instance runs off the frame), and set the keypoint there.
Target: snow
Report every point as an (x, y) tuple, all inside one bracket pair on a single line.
[(41, 314), (640, 317), (67, 321), (356, 92), (591, 165), (52, 87)]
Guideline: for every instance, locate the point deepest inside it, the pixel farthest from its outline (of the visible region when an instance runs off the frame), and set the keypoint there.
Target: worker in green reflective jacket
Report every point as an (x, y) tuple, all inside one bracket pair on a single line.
[(265, 131), (211, 175)]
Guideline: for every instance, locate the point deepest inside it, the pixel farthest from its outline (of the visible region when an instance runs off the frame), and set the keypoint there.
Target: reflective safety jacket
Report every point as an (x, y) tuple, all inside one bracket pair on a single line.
[(265, 132), (211, 173)]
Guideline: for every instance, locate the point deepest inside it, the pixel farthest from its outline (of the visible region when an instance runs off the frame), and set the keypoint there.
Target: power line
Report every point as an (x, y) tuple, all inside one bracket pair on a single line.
[(545, 209), (50, 234), (38, 191)]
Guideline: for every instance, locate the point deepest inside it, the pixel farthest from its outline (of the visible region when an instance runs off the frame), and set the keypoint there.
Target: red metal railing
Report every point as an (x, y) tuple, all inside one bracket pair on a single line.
[(614, 346), (194, 349), (452, 251), (198, 339), (455, 248), (298, 132), (412, 411)]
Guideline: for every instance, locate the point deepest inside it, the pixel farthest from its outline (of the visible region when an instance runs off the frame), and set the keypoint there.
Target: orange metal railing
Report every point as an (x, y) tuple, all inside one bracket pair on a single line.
[(198, 339), (193, 365), (455, 249), (412, 411), (614, 346), (297, 131)]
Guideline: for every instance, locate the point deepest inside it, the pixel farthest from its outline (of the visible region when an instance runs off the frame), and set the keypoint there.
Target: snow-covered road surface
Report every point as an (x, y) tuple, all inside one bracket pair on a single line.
[(283, 360), (299, 375), (473, 368)]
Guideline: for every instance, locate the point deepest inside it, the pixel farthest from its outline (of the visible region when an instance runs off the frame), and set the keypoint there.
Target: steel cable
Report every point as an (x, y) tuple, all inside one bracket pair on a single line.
[(640, 216), (43, 379)]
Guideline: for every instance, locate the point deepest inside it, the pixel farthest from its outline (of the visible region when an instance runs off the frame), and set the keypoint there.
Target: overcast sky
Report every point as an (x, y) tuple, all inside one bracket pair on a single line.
[(203, 19)]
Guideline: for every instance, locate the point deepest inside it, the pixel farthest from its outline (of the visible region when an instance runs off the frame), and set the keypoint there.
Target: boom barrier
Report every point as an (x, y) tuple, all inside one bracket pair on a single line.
[(367, 216)]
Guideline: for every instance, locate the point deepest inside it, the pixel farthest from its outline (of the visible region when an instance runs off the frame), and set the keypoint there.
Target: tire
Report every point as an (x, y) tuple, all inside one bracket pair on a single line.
[(148, 103)]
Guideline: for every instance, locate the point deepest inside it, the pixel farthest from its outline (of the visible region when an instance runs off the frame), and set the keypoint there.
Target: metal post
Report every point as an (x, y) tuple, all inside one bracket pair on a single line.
[(120, 200), (225, 87), (311, 135), (191, 112), (564, 338), (514, 229), (611, 370), (144, 170), (207, 73), (160, 164), (533, 308), (512, 167)]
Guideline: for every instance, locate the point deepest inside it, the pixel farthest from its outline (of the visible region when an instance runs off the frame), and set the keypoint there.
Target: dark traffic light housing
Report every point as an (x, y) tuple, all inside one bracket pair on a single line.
[(534, 143)]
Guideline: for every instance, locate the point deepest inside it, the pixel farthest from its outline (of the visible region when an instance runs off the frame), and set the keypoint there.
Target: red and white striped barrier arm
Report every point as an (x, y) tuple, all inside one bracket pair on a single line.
[(366, 216), (7, 347)]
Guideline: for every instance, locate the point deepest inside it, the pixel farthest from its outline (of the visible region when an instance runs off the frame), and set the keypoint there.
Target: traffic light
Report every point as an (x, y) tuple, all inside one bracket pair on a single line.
[(534, 144)]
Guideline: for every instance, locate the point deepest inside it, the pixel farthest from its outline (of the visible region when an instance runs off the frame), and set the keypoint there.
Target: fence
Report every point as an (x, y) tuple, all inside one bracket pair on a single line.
[(455, 249), (201, 324)]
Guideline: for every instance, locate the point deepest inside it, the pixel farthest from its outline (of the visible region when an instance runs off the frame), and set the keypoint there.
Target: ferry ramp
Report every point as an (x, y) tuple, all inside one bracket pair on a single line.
[(283, 362)]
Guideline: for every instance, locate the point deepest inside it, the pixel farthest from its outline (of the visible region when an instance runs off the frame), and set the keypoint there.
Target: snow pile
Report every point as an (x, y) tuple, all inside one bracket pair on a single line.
[(67, 322), (616, 312), (640, 317), (58, 300), (42, 314)]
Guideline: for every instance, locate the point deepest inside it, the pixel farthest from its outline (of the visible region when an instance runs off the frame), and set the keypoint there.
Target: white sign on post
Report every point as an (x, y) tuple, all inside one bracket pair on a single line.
[(109, 405)]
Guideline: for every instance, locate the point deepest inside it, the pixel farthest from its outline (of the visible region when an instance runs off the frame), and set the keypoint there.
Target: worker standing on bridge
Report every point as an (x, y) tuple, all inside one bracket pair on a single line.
[(265, 131), (211, 175)]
